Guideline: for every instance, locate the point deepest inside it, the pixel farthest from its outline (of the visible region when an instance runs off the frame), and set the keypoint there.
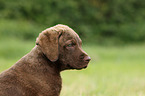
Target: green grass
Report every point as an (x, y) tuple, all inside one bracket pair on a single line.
[(113, 70), (11, 50)]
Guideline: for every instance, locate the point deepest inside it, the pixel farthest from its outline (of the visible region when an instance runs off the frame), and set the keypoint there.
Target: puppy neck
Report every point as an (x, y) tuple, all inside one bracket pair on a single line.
[(36, 62)]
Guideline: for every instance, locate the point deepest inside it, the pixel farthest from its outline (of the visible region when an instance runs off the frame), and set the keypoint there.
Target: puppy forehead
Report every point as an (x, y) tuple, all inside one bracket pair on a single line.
[(67, 32), (72, 35)]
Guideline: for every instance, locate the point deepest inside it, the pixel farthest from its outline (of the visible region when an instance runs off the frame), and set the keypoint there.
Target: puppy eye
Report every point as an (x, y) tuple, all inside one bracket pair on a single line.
[(70, 45)]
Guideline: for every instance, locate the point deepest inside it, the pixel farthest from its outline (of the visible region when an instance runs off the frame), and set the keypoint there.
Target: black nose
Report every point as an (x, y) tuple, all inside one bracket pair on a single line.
[(87, 58)]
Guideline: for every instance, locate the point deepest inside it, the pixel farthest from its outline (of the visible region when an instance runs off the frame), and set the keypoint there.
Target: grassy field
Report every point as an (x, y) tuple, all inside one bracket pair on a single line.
[(113, 70)]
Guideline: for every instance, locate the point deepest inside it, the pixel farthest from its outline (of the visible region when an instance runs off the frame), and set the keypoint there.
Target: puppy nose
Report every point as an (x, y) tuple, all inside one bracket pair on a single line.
[(87, 58)]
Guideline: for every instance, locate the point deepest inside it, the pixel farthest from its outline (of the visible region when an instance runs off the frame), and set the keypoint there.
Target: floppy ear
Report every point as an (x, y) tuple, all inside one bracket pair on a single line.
[(48, 41)]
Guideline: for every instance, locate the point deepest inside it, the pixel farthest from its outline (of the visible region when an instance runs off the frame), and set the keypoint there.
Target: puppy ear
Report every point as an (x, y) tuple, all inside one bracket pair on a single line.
[(48, 41)]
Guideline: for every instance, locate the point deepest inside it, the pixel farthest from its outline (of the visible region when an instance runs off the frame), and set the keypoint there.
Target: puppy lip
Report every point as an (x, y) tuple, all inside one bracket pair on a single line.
[(85, 65), (86, 62)]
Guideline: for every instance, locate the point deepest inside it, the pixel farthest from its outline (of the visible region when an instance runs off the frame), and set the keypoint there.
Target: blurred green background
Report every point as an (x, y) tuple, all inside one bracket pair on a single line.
[(113, 34)]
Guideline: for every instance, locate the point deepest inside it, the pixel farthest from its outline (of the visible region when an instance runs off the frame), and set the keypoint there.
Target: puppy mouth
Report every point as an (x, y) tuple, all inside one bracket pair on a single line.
[(85, 65), (82, 68), (78, 68)]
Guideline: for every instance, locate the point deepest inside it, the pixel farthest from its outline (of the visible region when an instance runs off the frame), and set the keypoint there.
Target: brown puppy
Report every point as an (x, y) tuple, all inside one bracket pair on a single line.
[(38, 73)]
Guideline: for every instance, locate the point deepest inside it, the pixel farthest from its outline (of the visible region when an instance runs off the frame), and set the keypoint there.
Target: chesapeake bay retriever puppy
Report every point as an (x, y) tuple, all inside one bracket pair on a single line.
[(38, 73)]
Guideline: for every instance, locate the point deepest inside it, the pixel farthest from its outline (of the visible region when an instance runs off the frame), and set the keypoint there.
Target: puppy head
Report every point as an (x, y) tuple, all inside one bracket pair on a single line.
[(62, 44)]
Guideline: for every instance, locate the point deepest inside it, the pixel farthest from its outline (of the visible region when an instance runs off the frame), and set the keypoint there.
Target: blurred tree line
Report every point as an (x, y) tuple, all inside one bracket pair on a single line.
[(95, 21)]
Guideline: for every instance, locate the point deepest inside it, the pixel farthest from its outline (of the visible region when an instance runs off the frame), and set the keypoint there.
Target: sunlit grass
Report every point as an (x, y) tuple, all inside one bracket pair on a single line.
[(113, 70)]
